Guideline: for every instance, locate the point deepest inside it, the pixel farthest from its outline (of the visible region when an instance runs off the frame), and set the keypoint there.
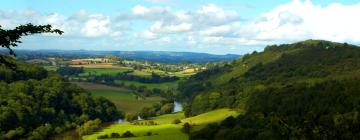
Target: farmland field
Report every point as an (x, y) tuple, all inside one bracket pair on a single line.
[(124, 99), (106, 65), (100, 71), (165, 130), (162, 86)]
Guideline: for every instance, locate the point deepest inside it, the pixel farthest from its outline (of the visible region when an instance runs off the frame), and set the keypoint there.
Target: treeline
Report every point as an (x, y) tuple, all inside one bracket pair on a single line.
[(22, 72), (127, 76), (69, 71), (37, 105), (164, 107)]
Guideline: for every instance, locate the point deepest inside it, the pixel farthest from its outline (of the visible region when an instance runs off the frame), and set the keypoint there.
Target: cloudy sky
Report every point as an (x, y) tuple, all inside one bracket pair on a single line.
[(211, 26)]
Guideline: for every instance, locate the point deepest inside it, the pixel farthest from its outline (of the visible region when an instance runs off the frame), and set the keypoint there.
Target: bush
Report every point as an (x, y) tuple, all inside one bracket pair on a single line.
[(115, 135), (89, 127), (148, 134), (103, 136), (176, 121), (128, 134)]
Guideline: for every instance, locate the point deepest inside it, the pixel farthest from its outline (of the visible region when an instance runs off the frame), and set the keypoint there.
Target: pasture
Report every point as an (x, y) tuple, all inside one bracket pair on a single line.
[(100, 71), (163, 86), (165, 130)]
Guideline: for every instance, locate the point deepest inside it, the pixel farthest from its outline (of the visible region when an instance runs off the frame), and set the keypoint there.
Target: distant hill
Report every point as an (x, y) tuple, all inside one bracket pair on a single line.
[(305, 90), (155, 56)]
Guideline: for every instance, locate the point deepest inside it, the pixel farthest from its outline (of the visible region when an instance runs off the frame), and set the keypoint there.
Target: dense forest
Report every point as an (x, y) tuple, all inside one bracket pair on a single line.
[(35, 104), (306, 90)]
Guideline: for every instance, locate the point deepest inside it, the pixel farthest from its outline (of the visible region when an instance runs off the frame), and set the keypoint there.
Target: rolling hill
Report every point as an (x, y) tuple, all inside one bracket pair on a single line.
[(305, 90)]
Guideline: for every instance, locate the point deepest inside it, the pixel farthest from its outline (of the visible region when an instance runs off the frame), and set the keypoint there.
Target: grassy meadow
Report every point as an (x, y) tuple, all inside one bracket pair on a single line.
[(165, 130), (100, 71), (163, 86)]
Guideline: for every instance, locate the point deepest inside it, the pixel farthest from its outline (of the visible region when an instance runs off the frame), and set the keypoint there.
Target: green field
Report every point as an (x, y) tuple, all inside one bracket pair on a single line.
[(165, 130), (163, 86), (100, 71), (124, 99), (50, 68)]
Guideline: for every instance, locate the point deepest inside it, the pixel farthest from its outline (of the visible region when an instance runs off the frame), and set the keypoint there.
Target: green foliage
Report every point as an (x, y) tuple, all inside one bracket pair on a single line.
[(176, 121), (89, 127), (165, 107), (127, 134), (10, 38), (34, 107), (69, 71)]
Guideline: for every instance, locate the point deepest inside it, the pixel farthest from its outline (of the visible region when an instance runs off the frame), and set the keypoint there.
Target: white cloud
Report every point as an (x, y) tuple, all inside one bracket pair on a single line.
[(147, 35), (96, 25), (159, 27), (300, 20)]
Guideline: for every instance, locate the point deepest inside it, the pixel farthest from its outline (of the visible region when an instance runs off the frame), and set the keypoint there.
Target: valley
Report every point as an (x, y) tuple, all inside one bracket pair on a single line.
[(257, 96)]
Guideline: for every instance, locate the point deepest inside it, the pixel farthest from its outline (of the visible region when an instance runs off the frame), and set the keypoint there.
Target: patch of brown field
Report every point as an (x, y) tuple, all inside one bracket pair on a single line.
[(107, 65), (92, 86)]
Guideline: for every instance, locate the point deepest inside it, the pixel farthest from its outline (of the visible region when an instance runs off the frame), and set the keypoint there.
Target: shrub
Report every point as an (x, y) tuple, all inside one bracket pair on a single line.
[(148, 134), (89, 127), (115, 135), (128, 134), (176, 121), (103, 136)]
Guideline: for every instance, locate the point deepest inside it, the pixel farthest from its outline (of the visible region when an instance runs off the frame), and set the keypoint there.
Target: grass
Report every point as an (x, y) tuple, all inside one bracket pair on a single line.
[(100, 71), (113, 94), (210, 117), (162, 86), (165, 130), (123, 99), (50, 68), (160, 132)]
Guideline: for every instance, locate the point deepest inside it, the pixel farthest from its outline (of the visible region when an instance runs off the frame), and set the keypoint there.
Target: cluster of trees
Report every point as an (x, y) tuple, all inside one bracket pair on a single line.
[(165, 107), (69, 71), (149, 123), (37, 105), (23, 72), (114, 135), (127, 76), (89, 127)]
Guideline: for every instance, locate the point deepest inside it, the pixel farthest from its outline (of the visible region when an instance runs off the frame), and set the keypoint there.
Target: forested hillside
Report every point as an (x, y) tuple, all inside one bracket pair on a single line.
[(306, 90), (35, 105)]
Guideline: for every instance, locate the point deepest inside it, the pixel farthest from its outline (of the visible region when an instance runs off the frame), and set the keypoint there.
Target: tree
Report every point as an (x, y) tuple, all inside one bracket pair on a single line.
[(11, 38)]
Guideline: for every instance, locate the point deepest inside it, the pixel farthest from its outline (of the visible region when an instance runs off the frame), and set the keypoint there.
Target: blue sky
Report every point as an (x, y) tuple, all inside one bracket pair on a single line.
[(220, 27)]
